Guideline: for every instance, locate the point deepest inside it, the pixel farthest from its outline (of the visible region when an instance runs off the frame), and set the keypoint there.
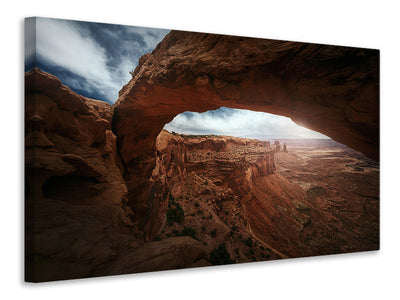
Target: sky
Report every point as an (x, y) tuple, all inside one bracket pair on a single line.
[(94, 60), (240, 123)]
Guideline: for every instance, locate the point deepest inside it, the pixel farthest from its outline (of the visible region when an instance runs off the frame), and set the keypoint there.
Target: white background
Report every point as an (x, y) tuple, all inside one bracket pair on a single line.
[(372, 24)]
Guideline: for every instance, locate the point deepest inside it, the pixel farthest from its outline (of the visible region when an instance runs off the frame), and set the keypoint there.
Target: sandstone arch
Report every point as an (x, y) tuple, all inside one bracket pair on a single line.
[(333, 90)]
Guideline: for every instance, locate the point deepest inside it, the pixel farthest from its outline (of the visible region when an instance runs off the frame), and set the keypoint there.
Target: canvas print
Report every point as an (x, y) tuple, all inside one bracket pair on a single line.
[(148, 149)]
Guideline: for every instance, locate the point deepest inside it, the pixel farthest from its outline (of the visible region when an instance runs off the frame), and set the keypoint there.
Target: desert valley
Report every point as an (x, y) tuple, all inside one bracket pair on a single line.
[(109, 191), (220, 199), (260, 202)]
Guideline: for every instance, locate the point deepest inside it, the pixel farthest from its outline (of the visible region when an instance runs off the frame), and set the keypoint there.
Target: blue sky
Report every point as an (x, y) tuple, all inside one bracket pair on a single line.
[(94, 60)]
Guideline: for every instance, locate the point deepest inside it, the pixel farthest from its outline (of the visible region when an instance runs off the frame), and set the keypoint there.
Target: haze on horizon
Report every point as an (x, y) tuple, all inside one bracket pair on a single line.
[(240, 123)]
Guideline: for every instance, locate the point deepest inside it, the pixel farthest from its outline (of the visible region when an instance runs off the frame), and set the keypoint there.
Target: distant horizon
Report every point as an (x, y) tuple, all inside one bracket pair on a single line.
[(244, 137), (240, 123), (84, 57)]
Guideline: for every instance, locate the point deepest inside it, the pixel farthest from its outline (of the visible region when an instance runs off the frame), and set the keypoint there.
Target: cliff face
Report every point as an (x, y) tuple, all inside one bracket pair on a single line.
[(104, 184), (240, 187), (89, 213), (170, 170), (228, 158), (333, 90), (82, 220), (74, 186), (79, 220), (228, 162), (220, 142), (293, 209), (219, 176)]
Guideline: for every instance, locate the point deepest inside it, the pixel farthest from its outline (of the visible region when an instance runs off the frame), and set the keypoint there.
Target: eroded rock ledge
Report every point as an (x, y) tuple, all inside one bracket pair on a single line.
[(78, 219), (97, 177), (333, 90)]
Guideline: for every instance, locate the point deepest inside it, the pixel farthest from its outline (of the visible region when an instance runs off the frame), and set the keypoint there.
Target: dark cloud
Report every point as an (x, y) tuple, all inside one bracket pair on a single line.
[(94, 59)]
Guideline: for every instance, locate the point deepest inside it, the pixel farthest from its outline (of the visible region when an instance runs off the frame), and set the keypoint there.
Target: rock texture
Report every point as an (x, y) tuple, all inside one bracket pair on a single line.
[(214, 193), (259, 210), (79, 220), (170, 253), (342, 189), (109, 192), (170, 170), (75, 191), (209, 200), (333, 90)]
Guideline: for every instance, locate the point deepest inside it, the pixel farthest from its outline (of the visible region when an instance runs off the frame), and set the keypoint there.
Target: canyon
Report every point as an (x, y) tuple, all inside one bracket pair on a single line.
[(108, 191), (330, 89), (264, 203)]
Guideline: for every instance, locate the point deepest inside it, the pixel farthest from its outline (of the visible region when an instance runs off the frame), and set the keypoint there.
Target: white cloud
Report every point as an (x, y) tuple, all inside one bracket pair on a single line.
[(151, 36), (240, 123), (64, 44), (74, 47)]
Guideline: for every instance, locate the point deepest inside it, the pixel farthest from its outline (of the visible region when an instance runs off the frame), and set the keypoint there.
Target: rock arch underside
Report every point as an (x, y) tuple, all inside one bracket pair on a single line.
[(329, 89), (126, 164)]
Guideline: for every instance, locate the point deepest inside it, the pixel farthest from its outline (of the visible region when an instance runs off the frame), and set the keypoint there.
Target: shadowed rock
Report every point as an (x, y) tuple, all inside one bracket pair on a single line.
[(330, 89)]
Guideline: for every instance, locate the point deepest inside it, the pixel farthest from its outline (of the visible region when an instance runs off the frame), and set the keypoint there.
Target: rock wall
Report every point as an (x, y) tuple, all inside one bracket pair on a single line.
[(333, 90), (263, 167), (207, 144), (219, 143), (78, 217), (169, 171), (94, 189), (74, 186), (245, 191)]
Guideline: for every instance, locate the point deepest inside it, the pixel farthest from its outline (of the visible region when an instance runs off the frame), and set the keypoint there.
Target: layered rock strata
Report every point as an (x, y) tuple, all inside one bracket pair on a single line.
[(99, 184), (333, 90), (79, 220)]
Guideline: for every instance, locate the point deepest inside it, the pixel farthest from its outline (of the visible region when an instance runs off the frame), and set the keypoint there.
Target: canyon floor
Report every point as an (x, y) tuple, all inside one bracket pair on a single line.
[(342, 184), (190, 201), (321, 197)]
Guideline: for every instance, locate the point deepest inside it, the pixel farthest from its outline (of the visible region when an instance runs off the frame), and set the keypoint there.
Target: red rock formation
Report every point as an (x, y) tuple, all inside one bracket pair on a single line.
[(277, 146), (215, 191), (170, 170), (242, 187), (264, 166), (333, 90), (207, 144), (78, 217), (170, 253), (74, 187), (284, 148), (83, 180), (219, 142)]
